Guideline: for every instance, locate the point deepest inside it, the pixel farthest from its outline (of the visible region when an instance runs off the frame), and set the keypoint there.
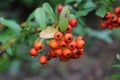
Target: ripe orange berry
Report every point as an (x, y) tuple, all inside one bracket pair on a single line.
[(43, 60), (53, 44), (76, 53), (68, 37), (72, 45), (73, 22), (79, 38), (52, 53), (33, 52), (62, 44), (117, 10), (69, 29), (58, 52), (114, 17), (108, 15), (63, 58), (59, 8), (103, 24), (67, 52), (80, 44), (38, 45), (58, 35), (118, 20)]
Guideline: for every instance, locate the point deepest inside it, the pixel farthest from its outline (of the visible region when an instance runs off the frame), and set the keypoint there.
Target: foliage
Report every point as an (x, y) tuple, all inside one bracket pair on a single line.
[(14, 36)]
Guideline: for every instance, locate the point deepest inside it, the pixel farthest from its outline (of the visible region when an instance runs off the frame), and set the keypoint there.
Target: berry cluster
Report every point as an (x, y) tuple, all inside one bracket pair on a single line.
[(72, 22), (63, 46), (111, 20)]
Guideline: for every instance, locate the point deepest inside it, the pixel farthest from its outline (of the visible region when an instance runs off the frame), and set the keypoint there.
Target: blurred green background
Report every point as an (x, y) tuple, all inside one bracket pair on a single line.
[(101, 58)]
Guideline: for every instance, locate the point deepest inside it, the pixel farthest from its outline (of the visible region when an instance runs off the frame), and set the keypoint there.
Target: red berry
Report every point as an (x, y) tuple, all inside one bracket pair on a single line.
[(67, 52), (63, 44), (69, 29), (43, 60), (72, 45), (103, 24), (68, 37), (80, 43), (59, 8), (33, 52), (73, 22), (38, 45), (53, 44), (58, 35)]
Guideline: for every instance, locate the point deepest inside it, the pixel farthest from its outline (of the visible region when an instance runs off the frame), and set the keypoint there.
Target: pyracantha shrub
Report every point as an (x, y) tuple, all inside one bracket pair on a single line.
[(56, 41)]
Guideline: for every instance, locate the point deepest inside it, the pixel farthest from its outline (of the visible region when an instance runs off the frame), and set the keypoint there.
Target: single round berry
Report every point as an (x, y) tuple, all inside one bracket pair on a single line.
[(73, 22), (52, 53), (59, 8), (68, 37), (76, 53), (53, 44), (58, 52), (67, 52), (79, 38), (63, 44), (117, 10), (103, 25), (72, 45), (38, 45), (69, 29), (108, 15), (33, 52), (58, 35), (80, 43), (43, 60), (63, 58)]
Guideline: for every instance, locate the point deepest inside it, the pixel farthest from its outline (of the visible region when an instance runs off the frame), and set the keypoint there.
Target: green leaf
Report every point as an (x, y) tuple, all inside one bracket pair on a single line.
[(88, 4), (40, 17), (104, 35), (4, 63), (70, 1), (115, 76), (31, 16), (101, 11), (11, 24), (9, 50), (48, 9), (64, 18), (72, 16), (6, 35)]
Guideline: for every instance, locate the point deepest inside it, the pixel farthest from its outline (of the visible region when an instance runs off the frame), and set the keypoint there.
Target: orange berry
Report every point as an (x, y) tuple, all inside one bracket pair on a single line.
[(33, 52), (62, 44), (72, 45), (80, 43), (52, 53), (69, 29), (73, 22), (76, 53), (58, 52), (59, 8), (53, 44), (58, 35), (63, 58), (38, 45), (68, 37), (67, 52), (43, 60)]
